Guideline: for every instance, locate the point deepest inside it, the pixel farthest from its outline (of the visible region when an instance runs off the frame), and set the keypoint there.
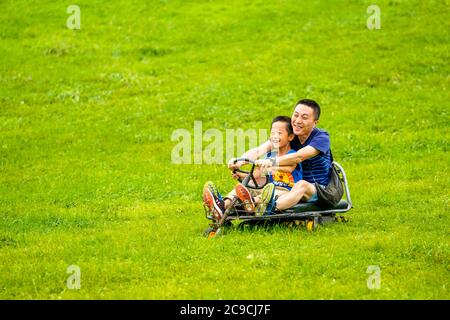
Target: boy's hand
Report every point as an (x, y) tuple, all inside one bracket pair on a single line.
[(234, 166), (235, 175)]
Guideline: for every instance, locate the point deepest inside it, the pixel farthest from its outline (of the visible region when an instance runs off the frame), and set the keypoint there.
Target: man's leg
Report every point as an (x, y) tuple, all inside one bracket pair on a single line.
[(302, 190), (280, 191)]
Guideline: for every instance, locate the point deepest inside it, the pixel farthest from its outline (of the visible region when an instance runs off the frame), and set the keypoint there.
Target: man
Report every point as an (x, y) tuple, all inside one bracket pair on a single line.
[(312, 151)]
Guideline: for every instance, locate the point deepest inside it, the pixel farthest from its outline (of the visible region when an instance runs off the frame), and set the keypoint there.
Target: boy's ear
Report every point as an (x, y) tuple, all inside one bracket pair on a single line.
[(291, 137)]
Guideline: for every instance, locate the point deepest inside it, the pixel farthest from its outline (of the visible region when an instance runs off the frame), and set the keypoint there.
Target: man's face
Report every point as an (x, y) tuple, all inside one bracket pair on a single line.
[(303, 120)]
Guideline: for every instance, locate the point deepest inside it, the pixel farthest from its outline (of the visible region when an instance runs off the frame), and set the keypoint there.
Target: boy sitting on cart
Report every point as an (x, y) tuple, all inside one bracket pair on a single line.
[(281, 179)]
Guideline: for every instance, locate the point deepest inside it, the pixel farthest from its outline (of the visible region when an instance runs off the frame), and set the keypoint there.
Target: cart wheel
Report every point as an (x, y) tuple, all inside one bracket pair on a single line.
[(208, 231), (311, 225), (341, 219), (211, 234)]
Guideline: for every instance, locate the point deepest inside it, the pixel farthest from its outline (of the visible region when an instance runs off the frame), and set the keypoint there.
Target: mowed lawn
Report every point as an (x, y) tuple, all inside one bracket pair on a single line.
[(87, 116)]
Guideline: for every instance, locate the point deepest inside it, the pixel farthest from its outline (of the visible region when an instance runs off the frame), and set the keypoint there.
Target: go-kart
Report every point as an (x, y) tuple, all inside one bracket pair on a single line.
[(302, 214)]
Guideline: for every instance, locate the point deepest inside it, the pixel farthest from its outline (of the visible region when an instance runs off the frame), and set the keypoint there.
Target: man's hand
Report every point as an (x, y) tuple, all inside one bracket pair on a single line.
[(265, 164)]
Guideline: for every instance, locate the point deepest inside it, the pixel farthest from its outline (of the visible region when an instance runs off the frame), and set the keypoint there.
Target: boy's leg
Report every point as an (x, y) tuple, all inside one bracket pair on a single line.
[(246, 197), (267, 203), (213, 200), (257, 194), (254, 192), (229, 198)]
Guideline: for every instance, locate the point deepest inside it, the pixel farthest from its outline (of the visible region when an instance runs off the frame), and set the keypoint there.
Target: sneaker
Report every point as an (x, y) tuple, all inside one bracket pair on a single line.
[(267, 203), (245, 196), (213, 200)]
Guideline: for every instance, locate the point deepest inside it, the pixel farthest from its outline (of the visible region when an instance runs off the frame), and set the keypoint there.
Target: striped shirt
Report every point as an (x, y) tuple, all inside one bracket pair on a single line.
[(316, 169)]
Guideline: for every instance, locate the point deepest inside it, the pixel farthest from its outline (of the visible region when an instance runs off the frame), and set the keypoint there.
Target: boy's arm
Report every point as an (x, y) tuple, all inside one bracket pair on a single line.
[(252, 154), (257, 152), (239, 175)]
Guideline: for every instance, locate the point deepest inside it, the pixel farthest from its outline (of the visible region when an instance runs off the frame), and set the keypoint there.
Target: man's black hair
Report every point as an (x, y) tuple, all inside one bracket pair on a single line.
[(313, 105), (285, 119)]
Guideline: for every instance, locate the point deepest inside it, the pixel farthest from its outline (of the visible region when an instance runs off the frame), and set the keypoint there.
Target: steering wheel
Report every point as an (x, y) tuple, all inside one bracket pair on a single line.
[(250, 177)]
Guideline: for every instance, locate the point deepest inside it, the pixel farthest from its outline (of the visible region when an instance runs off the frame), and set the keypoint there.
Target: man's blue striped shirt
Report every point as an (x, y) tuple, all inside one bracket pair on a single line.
[(316, 169)]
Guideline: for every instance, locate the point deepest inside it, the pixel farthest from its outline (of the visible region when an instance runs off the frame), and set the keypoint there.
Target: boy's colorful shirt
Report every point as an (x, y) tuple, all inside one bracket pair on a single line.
[(285, 179)]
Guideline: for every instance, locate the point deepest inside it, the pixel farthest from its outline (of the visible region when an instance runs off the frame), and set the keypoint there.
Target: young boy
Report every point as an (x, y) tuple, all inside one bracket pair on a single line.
[(282, 179)]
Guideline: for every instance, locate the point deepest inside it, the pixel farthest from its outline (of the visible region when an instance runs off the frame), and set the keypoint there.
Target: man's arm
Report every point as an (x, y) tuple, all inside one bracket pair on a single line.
[(288, 169), (297, 157), (291, 159)]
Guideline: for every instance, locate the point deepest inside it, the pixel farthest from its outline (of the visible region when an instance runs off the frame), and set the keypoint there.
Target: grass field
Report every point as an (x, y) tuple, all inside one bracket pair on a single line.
[(86, 118)]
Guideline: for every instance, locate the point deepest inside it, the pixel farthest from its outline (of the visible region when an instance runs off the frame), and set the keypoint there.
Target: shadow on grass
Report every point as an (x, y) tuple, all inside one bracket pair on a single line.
[(269, 225)]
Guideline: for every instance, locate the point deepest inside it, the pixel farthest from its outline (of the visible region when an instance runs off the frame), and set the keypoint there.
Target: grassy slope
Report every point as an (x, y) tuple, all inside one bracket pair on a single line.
[(86, 119)]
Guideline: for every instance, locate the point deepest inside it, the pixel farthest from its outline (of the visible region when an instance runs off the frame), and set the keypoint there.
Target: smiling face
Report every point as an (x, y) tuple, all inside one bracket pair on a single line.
[(303, 121), (279, 135)]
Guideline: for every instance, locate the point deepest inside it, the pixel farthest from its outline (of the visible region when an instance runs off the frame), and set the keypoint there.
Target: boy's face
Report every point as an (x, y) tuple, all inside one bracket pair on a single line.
[(279, 135)]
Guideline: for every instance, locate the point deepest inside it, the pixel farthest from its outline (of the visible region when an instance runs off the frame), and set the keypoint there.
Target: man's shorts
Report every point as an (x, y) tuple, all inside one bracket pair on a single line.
[(314, 198)]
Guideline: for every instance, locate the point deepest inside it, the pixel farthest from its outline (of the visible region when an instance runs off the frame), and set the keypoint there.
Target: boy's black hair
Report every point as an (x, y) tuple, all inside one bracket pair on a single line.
[(313, 105), (285, 119)]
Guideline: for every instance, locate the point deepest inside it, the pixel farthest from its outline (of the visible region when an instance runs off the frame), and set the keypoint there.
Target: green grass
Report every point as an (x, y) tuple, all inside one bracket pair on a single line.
[(86, 119)]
